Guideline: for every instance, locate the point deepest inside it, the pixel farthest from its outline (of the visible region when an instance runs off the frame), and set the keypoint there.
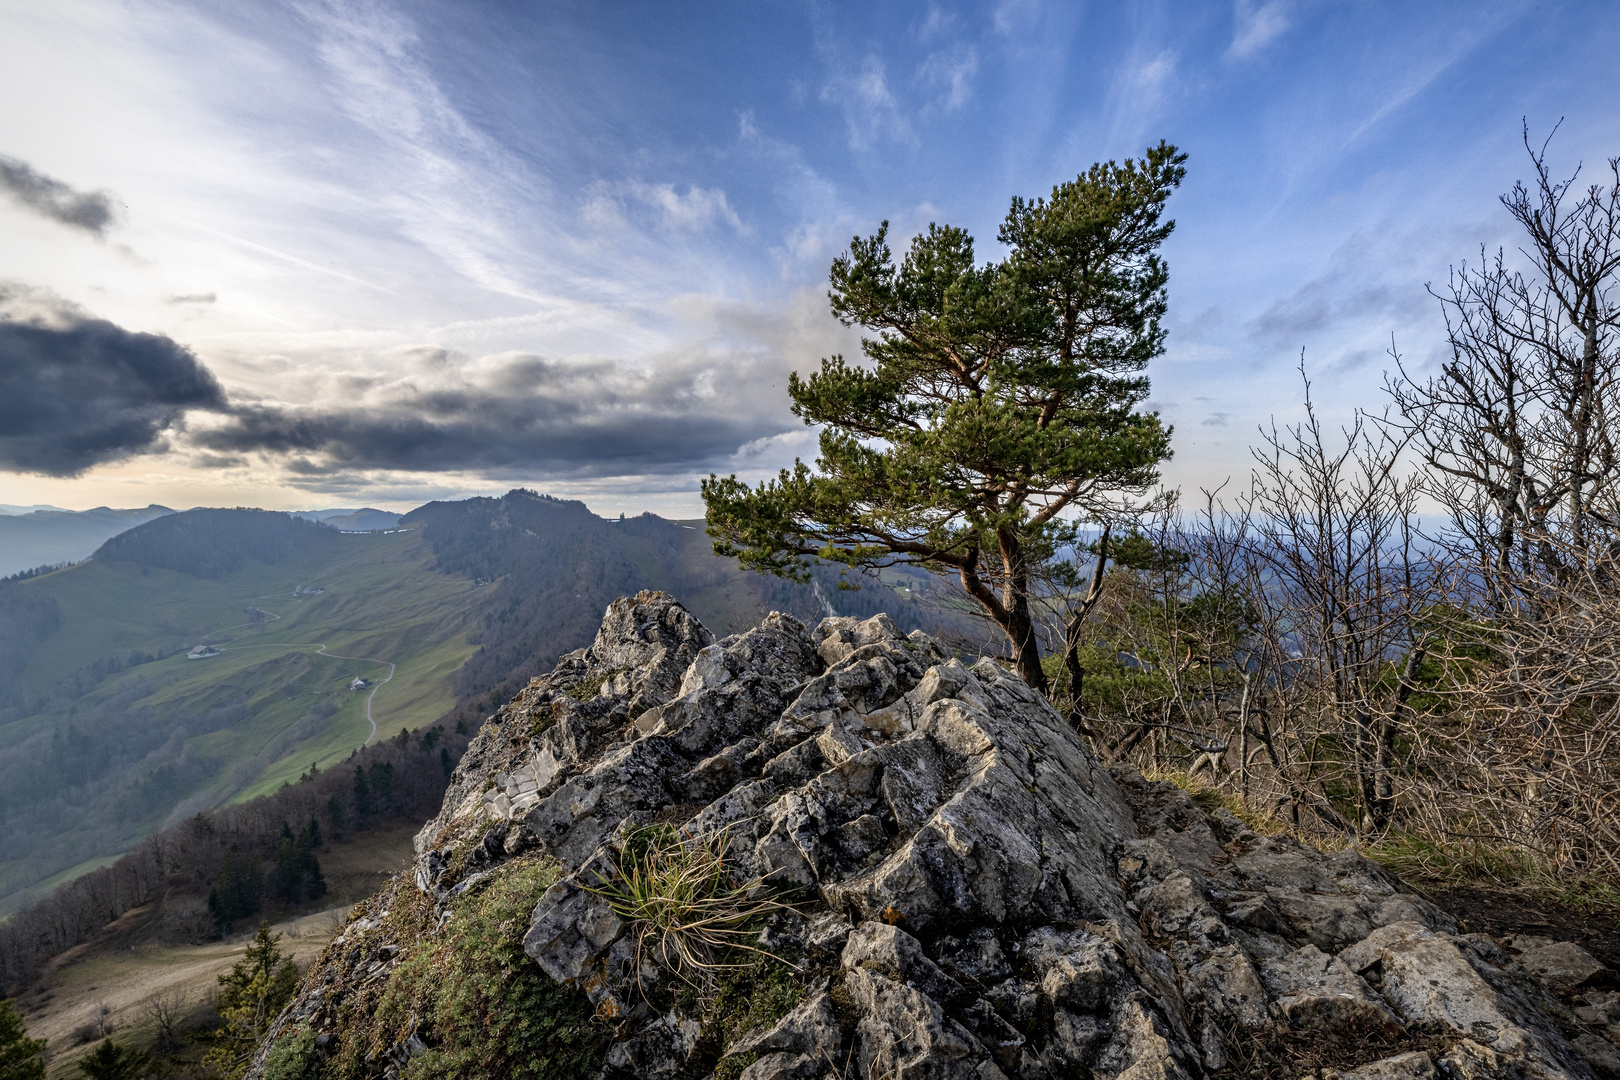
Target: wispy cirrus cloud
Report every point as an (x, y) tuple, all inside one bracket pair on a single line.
[(664, 206), (872, 112), (947, 75), (1256, 24)]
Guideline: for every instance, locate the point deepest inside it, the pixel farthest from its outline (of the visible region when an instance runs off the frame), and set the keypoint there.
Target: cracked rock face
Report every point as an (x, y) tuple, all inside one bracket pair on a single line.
[(978, 896)]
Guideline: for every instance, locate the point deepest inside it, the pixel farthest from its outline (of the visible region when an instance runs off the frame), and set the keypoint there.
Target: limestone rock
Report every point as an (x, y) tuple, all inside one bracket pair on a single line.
[(975, 896), (1416, 1065), (1313, 990), (1563, 964)]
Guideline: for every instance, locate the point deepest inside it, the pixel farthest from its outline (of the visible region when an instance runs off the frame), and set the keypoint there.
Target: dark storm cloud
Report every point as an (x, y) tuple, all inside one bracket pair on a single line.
[(49, 197), (514, 412), (76, 391)]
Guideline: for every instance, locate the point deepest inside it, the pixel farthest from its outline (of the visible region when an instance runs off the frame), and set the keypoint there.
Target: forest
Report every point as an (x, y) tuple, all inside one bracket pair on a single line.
[(224, 869)]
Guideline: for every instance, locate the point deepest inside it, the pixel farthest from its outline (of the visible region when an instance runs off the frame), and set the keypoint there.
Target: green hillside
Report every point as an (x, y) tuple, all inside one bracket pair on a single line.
[(109, 726), (109, 748)]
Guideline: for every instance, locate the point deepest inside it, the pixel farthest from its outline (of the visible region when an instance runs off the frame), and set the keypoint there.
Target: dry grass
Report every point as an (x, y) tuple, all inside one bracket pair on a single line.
[(1428, 862), (691, 916)]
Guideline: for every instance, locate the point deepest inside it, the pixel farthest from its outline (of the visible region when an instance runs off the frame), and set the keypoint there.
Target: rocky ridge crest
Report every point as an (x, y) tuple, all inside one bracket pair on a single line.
[(977, 896)]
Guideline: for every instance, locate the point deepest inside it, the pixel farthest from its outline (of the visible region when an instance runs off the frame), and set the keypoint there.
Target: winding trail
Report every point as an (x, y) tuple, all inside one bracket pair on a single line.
[(321, 650)]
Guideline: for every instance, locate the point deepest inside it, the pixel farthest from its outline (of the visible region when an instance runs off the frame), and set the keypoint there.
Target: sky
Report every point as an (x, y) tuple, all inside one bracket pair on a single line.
[(319, 254)]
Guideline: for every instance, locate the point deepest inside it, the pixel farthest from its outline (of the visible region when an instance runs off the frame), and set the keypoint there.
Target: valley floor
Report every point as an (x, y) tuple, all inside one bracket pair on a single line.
[(111, 980)]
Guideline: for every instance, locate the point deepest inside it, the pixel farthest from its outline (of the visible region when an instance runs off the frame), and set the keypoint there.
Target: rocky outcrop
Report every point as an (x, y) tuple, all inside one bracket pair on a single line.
[(971, 893)]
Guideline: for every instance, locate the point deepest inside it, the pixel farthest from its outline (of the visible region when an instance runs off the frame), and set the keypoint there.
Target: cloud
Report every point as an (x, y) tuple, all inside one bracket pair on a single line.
[(1154, 76), (949, 74), (507, 413), (192, 298), (1256, 25), (871, 111), (50, 198), (697, 210), (76, 391), (1333, 299)]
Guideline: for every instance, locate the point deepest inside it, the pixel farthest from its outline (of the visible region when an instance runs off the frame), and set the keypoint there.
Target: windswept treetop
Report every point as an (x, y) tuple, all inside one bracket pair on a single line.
[(995, 397)]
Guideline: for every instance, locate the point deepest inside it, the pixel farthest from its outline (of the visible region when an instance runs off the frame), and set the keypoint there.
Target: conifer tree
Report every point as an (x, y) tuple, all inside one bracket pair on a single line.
[(998, 401), (237, 892), (21, 1058), (251, 995), (113, 1062), (362, 796)]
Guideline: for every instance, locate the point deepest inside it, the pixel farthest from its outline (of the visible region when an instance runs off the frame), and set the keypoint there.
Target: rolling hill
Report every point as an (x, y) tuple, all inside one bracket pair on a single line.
[(363, 520), (109, 727), (212, 655), (45, 537)]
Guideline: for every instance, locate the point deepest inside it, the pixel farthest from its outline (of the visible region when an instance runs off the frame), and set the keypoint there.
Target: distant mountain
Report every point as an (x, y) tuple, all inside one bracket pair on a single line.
[(349, 520), (552, 567), (45, 537), (367, 520), (211, 543), (8, 508), (109, 727), (210, 655)]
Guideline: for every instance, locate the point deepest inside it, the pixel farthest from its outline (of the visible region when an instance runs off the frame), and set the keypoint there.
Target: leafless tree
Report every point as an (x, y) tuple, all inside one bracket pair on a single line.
[(1518, 429), (1518, 434), (1334, 522), (166, 1011)]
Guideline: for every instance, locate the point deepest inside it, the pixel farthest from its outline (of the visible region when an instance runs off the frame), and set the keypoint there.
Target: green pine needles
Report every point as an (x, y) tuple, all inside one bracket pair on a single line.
[(997, 404)]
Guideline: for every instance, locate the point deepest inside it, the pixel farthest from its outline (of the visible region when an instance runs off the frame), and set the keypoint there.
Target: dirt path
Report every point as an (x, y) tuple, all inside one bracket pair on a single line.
[(90, 978)]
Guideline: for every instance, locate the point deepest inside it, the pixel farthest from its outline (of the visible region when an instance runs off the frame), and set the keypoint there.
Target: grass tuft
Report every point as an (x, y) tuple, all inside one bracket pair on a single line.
[(691, 916)]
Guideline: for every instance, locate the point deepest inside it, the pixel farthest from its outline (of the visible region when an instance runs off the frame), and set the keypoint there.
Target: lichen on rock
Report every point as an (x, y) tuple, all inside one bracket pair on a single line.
[(959, 889)]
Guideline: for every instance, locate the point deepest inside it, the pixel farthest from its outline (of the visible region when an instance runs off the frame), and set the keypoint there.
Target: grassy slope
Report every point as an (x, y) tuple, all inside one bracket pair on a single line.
[(382, 601)]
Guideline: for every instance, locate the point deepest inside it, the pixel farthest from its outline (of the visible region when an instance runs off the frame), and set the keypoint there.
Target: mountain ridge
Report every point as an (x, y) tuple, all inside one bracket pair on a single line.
[(104, 720), (47, 536)]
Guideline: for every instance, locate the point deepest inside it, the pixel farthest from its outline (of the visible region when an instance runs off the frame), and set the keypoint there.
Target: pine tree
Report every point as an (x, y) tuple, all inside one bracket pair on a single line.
[(251, 995), (999, 401), (21, 1058), (238, 891), (114, 1062), (362, 796), (382, 782)]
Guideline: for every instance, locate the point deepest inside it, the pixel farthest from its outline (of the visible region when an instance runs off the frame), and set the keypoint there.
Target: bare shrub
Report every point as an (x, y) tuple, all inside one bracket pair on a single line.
[(166, 1012), (187, 920)]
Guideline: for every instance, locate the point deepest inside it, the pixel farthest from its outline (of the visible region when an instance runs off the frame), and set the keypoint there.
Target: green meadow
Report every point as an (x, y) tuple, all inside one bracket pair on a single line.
[(276, 698)]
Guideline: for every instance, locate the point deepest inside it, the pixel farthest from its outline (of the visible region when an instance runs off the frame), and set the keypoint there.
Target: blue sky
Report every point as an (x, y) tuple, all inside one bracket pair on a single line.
[(412, 250)]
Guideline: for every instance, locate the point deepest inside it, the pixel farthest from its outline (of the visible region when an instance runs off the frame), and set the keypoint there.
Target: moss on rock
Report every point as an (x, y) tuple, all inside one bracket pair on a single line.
[(465, 1002)]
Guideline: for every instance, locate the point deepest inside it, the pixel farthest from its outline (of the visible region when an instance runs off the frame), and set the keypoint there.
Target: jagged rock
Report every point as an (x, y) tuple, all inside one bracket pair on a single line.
[(975, 895), (1563, 964), (906, 1034), (1416, 1065), (1313, 990)]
